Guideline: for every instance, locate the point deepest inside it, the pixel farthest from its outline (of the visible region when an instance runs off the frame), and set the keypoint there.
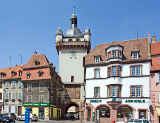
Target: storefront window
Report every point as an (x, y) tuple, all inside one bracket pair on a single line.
[(142, 114), (104, 112)]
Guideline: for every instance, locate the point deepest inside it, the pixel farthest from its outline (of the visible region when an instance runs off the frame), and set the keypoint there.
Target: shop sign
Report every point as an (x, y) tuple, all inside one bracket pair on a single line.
[(135, 101), (95, 101), (36, 104)]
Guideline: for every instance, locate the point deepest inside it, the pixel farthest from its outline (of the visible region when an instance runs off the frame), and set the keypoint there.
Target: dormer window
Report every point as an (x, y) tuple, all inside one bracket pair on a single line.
[(2, 75), (135, 55), (40, 73), (97, 59), (20, 73), (114, 53), (28, 75), (37, 62), (13, 73)]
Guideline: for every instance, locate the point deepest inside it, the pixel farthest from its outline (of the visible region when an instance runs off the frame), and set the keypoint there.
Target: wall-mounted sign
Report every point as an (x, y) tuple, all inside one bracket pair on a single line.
[(135, 101), (95, 101)]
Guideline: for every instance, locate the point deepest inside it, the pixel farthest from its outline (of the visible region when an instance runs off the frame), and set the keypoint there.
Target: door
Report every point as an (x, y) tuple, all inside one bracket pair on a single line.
[(41, 113), (89, 115), (19, 110)]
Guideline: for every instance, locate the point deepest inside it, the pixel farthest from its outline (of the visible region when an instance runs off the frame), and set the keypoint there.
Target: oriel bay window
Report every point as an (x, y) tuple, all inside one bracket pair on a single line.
[(136, 91), (114, 90), (114, 54), (114, 71)]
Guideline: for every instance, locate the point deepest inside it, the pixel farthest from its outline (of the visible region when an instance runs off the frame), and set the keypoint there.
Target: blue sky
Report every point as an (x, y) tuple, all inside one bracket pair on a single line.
[(29, 25)]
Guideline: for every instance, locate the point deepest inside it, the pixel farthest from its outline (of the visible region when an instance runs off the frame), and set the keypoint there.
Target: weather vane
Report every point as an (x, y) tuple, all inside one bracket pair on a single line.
[(74, 9)]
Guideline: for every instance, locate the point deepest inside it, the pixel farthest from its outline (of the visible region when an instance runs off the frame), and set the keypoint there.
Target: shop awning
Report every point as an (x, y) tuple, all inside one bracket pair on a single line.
[(158, 111)]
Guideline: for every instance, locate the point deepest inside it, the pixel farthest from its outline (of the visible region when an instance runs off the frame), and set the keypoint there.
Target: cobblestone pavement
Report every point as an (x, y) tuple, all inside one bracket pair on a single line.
[(61, 121)]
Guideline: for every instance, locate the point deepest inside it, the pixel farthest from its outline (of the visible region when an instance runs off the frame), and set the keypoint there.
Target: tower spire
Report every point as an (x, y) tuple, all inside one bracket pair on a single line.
[(74, 18)]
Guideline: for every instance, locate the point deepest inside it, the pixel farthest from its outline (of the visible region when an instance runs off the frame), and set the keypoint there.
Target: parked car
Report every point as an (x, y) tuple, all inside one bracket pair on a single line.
[(21, 117), (137, 121), (34, 117), (1, 118), (8, 118)]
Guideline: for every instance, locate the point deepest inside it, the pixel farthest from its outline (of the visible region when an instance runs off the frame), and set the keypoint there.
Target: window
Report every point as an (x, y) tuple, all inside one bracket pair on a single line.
[(40, 73), (114, 71), (104, 111), (13, 84), (136, 70), (0, 95), (20, 73), (20, 84), (30, 98), (157, 77), (114, 91), (135, 54), (13, 95), (72, 78), (0, 84), (19, 95), (29, 87), (119, 53), (28, 75), (13, 73), (136, 91), (41, 98), (43, 86), (97, 73), (97, 59), (2, 75), (37, 62), (6, 95), (6, 83), (142, 114), (113, 53), (96, 92)]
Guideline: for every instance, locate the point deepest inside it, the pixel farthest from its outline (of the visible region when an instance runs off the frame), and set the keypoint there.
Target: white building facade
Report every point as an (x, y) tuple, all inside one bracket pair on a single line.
[(117, 81)]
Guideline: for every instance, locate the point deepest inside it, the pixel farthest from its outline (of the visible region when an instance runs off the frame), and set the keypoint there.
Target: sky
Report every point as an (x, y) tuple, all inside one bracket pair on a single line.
[(29, 25)]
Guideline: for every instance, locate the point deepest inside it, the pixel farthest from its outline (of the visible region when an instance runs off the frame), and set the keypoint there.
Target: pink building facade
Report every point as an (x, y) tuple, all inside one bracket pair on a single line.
[(155, 82)]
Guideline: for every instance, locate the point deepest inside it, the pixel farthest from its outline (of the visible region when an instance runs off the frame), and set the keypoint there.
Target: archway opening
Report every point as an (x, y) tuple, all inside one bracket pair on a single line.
[(124, 112), (72, 112), (103, 112)]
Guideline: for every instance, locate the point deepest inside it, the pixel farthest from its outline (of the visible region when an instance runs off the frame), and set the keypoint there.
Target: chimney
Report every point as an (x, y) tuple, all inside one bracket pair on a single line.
[(148, 37), (154, 39)]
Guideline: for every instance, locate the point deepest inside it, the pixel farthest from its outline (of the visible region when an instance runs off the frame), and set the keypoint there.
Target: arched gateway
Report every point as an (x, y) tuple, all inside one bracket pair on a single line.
[(72, 111)]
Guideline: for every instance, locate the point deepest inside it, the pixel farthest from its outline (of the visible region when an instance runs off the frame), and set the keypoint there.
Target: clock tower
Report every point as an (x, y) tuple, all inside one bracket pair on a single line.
[(72, 47)]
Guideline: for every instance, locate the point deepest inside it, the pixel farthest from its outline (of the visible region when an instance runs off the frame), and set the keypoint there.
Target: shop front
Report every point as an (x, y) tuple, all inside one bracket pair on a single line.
[(42, 110)]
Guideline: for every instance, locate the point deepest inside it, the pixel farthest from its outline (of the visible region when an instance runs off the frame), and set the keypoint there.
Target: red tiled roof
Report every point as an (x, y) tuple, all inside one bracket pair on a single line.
[(155, 48), (8, 71), (36, 57), (130, 45), (32, 68)]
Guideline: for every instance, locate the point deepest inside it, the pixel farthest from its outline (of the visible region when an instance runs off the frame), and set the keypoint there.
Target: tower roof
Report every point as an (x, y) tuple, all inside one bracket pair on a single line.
[(74, 31)]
